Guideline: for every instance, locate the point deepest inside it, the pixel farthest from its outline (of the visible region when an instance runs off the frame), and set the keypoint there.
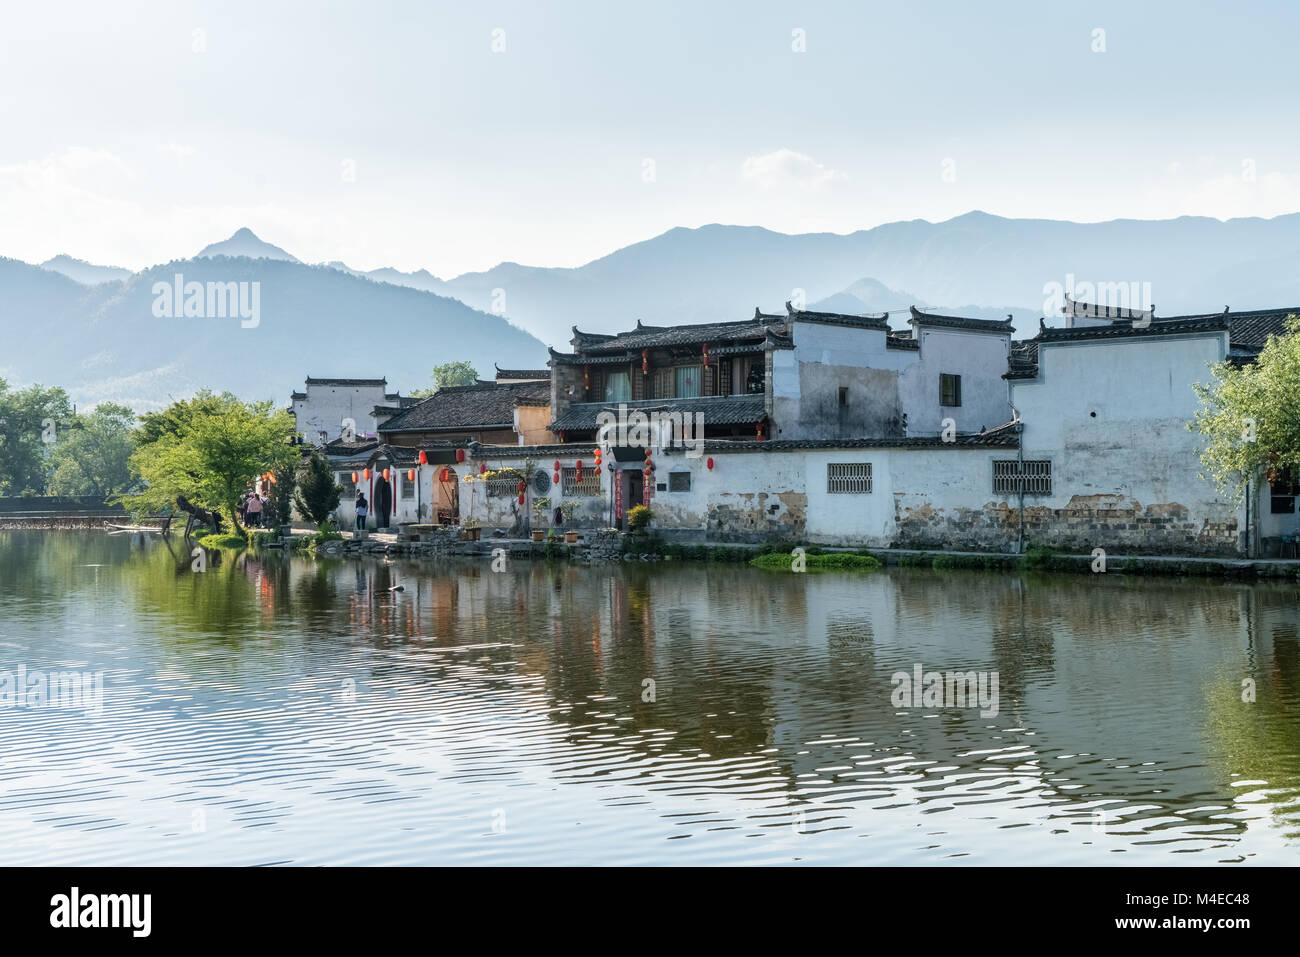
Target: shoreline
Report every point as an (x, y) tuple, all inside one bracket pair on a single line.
[(609, 548)]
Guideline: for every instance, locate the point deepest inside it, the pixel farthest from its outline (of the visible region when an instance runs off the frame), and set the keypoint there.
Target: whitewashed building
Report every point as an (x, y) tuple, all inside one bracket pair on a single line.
[(327, 408)]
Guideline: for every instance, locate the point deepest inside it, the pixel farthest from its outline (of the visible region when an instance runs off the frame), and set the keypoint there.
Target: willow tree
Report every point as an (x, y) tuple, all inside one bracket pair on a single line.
[(1250, 417), (210, 449)]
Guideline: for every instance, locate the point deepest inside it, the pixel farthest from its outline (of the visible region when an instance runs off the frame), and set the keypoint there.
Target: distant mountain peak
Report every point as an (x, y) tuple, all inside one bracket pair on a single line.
[(247, 244), (88, 274)]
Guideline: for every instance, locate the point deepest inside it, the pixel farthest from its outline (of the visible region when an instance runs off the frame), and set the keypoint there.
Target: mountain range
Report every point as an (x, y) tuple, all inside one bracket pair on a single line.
[(331, 319)]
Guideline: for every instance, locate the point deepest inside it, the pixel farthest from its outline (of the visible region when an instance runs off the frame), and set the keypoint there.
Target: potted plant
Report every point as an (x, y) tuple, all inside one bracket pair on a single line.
[(567, 509), (471, 529), (540, 506)]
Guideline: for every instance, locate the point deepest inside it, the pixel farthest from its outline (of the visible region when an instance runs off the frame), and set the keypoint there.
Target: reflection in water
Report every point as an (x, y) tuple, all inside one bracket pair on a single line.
[(281, 709)]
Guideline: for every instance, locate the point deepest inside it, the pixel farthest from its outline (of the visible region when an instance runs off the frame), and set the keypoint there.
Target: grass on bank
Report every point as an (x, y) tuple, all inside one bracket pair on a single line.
[(224, 540), (830, 561)]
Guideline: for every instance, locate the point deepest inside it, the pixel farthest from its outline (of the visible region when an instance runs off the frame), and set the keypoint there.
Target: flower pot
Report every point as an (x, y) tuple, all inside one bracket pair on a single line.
[(571, 538), (539, 534)]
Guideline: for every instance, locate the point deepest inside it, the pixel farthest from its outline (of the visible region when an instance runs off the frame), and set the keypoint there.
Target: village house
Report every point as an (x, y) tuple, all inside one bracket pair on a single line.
[(838, 430), (513, 410), (328, 408), (1109, 459), (798, 376)]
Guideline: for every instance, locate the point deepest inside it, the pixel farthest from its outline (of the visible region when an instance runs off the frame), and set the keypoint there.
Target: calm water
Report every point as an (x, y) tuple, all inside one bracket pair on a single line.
[(276, 710)]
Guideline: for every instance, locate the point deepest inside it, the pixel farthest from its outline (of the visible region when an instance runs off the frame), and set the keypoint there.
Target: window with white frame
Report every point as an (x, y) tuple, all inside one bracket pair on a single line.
[(1035, 478), (848, 478)]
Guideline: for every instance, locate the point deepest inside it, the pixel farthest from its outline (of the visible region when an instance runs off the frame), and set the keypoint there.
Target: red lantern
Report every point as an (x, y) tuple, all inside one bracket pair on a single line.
[(645, 361), (366, 474), (557, 478), (709, 463), (444, 475), (410, 475), (460, 455), (597, 469), (521, 500), (647, 451), (649, 465), (596, 451), (424, 457), (521, 488), (579, 465), (482, 467), (354, 478)]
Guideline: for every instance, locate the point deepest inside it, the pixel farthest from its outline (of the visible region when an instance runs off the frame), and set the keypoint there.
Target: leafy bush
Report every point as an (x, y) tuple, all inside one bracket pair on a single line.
[(326, 532), (639, 517)]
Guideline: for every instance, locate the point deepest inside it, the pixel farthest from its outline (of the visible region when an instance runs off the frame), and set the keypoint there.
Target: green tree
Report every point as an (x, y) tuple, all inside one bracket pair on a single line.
[(460, 372), (317, 495), (92, 457), (31, 422), (209, 449), (1249, 415), (282, 493)]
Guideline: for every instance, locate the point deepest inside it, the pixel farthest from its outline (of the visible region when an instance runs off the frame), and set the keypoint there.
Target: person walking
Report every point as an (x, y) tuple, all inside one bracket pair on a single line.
[(254, 510), (362, 509)]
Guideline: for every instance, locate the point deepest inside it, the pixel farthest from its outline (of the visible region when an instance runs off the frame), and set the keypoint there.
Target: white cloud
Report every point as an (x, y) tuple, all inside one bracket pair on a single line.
[(786, 169), (178, 150)]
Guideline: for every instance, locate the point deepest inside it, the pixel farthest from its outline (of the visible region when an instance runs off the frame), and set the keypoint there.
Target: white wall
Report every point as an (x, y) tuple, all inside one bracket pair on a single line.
[(326, 407), (980, 358), (1112, 416)]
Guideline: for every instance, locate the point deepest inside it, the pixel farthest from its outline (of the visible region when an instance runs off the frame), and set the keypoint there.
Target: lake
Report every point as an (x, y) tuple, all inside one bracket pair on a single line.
[(284, 710)]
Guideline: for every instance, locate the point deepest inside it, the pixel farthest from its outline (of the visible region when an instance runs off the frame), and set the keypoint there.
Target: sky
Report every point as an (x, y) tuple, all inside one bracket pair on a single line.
[(454, 136)]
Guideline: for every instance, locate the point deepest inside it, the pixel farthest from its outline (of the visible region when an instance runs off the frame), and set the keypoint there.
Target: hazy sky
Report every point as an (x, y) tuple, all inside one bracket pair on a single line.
[(393, 133)]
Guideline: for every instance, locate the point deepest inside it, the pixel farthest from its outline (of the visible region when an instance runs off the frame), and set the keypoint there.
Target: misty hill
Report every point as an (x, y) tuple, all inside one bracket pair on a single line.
[(245, 243), (88, 274), (106, 343), (1193, 264)]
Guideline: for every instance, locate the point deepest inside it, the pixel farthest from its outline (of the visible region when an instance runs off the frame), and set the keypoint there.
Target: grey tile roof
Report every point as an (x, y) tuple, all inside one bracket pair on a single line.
[(1123, 329), (347, 382), (1003, 436), (653, 337), (1001, 326), (522, 373), (1251, 327), (718, 410), (469, 407)]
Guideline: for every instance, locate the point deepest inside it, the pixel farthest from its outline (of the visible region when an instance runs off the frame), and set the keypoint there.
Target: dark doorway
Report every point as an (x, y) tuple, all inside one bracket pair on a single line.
[(635, 489)]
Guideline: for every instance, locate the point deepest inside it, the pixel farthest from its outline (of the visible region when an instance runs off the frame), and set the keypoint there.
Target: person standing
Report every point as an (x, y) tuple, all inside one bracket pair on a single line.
[(254, 510), (362, 508), (383, 501)]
